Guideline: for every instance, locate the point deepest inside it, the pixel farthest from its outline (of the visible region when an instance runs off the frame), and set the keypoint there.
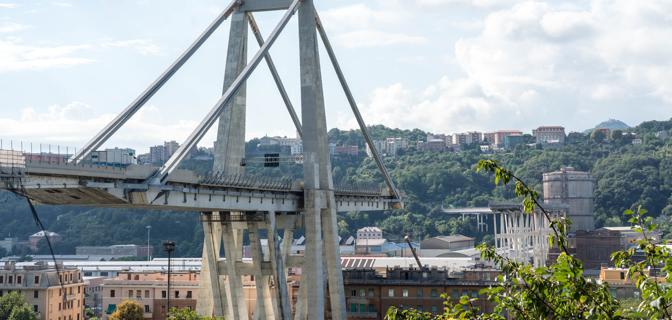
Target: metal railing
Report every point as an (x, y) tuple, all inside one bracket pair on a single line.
[(249, 182)]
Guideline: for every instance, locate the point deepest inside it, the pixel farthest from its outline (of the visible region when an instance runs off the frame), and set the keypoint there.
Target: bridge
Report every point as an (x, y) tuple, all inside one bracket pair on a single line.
[(518, 235), (230, 202)]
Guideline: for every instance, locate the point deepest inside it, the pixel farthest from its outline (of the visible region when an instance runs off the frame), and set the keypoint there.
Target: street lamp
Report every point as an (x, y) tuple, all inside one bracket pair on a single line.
[(149, 254), (169, 247)]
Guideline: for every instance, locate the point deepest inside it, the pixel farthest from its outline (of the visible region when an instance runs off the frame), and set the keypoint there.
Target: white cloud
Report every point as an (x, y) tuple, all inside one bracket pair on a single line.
[(142, 46), (15, 56), (7, 5), (74, 123), (61, 4), (359, 25), (536, 63), (10, 27), (374, 38)]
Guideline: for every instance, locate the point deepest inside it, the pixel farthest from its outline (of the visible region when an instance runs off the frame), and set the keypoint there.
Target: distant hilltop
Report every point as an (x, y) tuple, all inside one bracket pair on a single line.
[(611, 124)]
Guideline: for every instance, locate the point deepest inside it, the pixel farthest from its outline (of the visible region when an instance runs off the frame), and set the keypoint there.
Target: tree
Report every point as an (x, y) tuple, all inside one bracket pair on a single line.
[(561, 291), (617, 135), (598, 136), (22, 312), (13, 306), (128, 310), (185, 314)]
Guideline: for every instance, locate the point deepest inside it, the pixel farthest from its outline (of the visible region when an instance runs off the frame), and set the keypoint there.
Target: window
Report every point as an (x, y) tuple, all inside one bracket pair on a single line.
[(37, 279), (435, 309), (353, 307), (1, 293), (353, 293), (404, 292), (79, 289), (137, 277), (128, 276), (419, 293), (59, 306), (177, 294), (163, 294), (372, 308), (2, 279), (18, 280), (146, 293), (362, 308), (36, 294), (138, 294), (622, 275), (35, 308), (434, 293), (362, 293), (474, 294), (147, 308), (390, 292), (112, 293), (371, 292), (104, 274), (10, 279), (189, 294), (130, 293)]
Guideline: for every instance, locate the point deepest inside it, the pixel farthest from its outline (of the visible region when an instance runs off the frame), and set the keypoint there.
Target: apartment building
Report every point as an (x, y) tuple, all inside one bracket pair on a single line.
[(370, 293), (150, 290), (54, 295), (549, 134)]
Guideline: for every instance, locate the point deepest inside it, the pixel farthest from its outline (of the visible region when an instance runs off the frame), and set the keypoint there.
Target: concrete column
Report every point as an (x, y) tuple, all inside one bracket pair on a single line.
[(320, 207), (212, 298), (231, 251), (260, 281), (230, 143), (333, 259), (281, 305)]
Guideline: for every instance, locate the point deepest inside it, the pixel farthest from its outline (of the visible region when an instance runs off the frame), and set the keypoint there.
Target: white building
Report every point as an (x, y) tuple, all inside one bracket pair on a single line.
[(370, 233)]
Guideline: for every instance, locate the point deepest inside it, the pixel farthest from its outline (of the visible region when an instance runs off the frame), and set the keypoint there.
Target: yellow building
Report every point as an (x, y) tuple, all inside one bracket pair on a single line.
[(40, 286), (150, 290)]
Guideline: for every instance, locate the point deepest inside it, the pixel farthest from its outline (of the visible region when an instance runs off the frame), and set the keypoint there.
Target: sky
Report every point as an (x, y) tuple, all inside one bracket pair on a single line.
[(444, 66)]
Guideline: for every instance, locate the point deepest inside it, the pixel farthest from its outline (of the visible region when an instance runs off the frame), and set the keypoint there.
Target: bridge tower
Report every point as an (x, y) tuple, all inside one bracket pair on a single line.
[(225, 224)]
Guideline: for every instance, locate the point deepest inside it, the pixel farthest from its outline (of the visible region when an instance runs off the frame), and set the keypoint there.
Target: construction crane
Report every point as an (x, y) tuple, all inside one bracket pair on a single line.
[(415, 255)]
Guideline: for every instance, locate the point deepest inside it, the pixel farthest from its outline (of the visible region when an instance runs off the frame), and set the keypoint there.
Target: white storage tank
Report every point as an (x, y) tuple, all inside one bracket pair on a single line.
[(575, 189)]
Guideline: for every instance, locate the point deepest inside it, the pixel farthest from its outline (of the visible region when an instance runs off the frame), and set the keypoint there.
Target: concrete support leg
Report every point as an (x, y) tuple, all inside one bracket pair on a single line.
[(280, 293), (321, 237), (212, 299), (238, 305), (261, 281), (333, 260)]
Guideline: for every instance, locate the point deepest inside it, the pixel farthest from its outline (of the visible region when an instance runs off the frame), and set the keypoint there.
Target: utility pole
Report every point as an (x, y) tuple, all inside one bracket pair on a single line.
[(149, 253), (169, 247)]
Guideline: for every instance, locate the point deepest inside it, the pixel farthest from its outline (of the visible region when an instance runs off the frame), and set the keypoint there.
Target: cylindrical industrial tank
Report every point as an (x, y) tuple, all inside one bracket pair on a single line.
[(575, 189)]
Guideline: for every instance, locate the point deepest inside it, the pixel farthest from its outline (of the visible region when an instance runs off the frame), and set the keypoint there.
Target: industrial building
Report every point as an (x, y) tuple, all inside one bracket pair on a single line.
[(574, 189)]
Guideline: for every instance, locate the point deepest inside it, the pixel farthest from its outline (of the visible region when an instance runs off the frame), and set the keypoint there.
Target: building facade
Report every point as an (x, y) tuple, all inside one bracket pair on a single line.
[(369, 294), (549, 134), (150, 290), (53, 295)]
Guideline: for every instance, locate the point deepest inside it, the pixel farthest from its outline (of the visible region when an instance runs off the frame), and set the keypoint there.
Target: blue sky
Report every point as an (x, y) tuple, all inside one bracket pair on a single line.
[(67, 67)]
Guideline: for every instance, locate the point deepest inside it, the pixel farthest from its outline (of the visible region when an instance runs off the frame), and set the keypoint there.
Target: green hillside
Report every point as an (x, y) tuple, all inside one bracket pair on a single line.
[(626, 175)]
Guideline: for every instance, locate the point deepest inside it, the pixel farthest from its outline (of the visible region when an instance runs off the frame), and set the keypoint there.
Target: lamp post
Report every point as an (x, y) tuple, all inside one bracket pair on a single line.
[(169, 247), (149, 254)]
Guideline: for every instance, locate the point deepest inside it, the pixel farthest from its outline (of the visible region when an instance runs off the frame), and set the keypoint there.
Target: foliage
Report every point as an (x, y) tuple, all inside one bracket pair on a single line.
[(627, 176), (13, 306), (128, 310), (561, 291), (186, 314)]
